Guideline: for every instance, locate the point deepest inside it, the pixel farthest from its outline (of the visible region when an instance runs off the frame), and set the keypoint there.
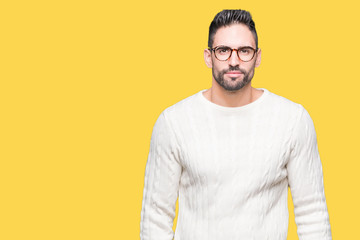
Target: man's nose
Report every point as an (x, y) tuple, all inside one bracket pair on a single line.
[(234, 59)]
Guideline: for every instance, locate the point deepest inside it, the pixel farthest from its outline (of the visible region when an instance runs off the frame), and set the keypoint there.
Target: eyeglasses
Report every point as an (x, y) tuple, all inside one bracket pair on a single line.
[(223, 53)]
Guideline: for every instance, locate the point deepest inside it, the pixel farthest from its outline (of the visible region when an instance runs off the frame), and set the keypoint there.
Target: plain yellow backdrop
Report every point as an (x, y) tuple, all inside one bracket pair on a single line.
[(83, 82)]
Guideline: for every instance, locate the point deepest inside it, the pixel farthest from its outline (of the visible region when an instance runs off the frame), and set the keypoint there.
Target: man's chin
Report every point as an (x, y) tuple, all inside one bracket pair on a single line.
[(232, 87), (235, 85)]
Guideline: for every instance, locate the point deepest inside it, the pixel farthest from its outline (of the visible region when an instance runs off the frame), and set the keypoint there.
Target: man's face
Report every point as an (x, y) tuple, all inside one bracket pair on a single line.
[(233, 74)]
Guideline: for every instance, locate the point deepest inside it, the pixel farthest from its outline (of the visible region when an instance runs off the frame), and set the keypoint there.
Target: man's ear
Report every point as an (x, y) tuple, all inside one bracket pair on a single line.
[(258, 58), (207, 58)]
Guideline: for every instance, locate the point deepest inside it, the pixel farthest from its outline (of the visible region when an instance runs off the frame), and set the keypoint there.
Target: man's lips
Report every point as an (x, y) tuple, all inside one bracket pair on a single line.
[(234, 73)]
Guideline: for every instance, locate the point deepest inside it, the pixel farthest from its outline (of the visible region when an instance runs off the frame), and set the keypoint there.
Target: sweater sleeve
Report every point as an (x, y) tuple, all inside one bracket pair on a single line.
[(305, 179), (161, 185)]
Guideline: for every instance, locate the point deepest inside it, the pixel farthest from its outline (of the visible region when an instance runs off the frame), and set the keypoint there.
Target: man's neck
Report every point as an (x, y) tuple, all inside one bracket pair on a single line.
[(241, 97)]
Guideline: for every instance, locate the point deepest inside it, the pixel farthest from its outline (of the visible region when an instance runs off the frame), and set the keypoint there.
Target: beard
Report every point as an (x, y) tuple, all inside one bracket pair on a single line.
[(233, 84)]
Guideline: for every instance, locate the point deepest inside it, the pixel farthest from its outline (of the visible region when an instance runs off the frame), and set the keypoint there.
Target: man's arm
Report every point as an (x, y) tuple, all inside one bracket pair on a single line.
[(161, 185), (305, 178)]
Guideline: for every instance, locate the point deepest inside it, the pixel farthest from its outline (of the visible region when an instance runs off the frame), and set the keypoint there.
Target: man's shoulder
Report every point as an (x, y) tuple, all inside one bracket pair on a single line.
[(286, 104), (282, 108), (184, 106)]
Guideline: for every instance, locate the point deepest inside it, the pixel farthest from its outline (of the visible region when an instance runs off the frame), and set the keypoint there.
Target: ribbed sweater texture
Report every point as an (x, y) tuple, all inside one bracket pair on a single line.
[(231, 168)]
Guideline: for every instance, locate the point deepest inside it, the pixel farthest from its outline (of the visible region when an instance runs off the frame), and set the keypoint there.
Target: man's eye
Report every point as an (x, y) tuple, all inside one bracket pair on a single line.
[(223, 51), (246, 51)]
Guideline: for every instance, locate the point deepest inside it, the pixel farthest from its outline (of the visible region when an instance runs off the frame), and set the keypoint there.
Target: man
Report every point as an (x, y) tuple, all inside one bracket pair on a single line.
[(231, 152)]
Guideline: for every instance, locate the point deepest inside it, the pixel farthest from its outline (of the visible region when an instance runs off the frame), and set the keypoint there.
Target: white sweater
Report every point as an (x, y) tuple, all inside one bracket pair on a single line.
[(231, 168)]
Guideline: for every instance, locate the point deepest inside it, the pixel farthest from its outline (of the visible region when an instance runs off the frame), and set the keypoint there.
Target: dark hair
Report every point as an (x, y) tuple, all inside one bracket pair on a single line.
[(228, 17)]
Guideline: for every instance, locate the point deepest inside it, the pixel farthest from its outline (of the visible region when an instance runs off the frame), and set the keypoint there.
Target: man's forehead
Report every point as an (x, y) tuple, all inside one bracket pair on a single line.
[(234, 35)]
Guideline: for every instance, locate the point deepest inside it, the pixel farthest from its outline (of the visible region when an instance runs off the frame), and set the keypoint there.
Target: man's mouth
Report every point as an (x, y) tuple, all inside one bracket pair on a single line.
[(234, 73)]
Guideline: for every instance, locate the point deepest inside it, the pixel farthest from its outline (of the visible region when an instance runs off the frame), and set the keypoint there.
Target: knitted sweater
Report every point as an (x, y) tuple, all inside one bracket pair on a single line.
[(231, 168)]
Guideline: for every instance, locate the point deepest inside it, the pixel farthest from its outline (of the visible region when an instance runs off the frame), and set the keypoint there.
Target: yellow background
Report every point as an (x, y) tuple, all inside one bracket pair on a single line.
[(83, 82)]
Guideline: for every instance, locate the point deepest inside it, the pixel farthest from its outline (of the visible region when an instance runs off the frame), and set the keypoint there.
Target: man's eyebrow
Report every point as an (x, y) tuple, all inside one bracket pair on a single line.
[(244, 46)]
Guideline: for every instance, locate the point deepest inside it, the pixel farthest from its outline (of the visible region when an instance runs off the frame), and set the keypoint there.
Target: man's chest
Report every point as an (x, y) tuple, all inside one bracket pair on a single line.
[(245, 152)]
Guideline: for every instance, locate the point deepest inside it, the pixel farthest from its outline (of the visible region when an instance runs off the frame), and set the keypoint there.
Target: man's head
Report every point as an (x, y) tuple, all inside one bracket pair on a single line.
[(234, 29)]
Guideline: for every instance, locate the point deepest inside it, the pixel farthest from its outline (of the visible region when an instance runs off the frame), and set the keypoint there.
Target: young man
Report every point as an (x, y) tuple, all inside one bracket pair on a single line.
[(231, 152)]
